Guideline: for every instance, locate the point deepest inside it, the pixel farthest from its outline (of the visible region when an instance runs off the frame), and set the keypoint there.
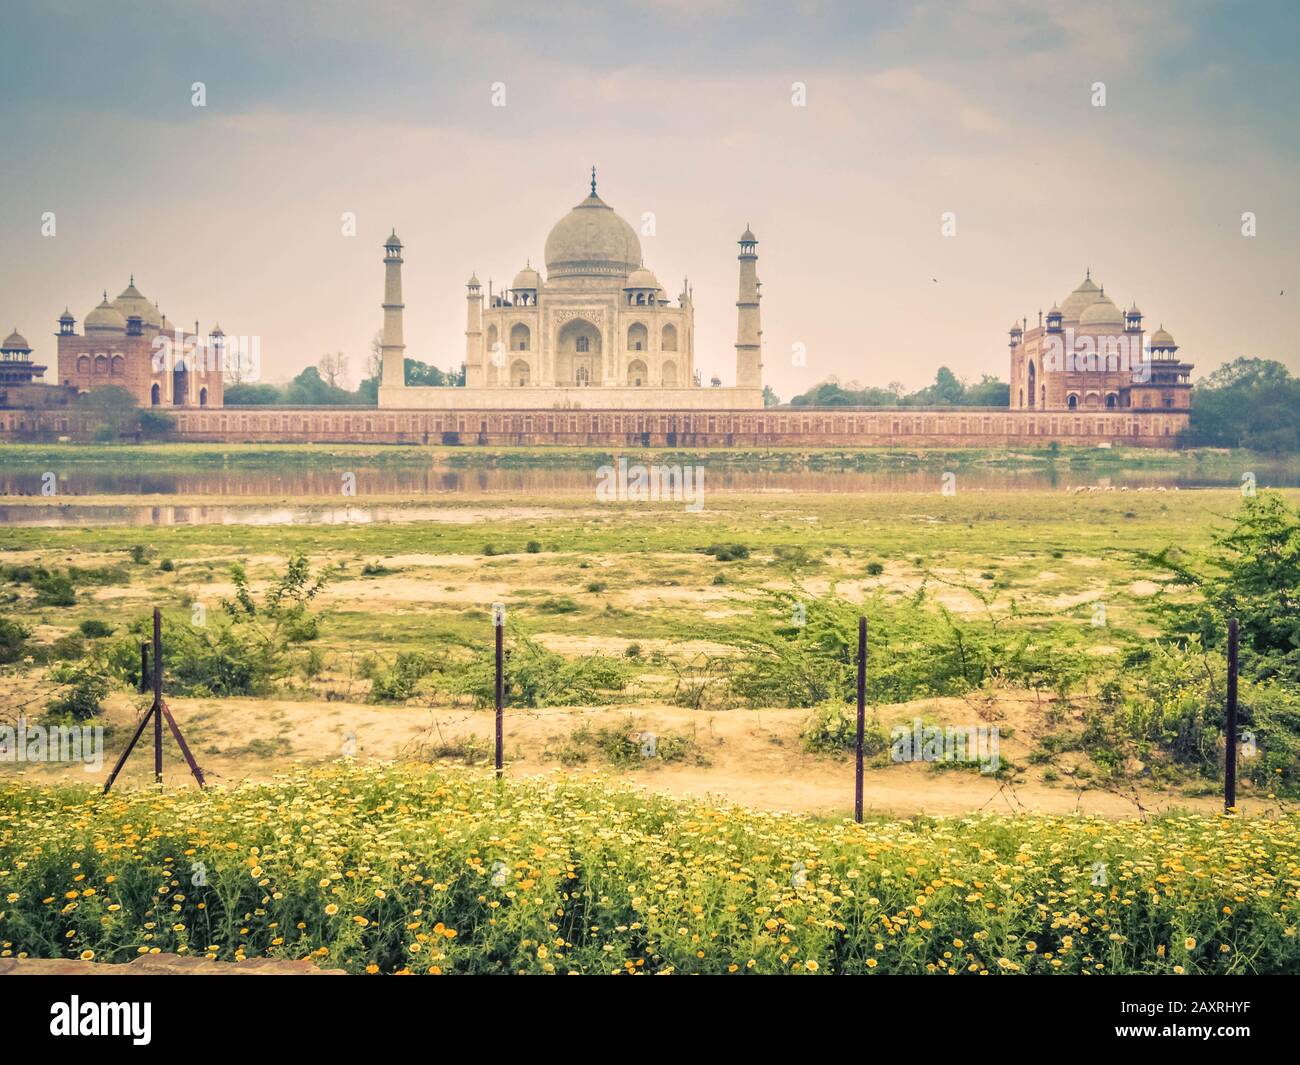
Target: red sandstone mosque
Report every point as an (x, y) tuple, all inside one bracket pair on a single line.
[(1090, 355)]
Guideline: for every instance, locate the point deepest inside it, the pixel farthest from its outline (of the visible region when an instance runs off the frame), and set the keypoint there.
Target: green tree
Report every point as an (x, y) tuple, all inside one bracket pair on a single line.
[(253, 395), (1252, 574), (1247, 403)]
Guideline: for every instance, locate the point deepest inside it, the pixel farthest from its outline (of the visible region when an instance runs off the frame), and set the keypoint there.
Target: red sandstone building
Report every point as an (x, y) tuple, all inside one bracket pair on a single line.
[(1089, 355), (130, 343)]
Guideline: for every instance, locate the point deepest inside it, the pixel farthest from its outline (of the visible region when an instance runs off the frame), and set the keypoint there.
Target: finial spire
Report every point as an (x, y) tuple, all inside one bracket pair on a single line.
[(593, 181), (1087, 273)]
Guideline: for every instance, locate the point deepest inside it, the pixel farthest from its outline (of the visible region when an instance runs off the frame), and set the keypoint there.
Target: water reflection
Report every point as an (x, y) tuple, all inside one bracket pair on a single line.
[(383, 490)]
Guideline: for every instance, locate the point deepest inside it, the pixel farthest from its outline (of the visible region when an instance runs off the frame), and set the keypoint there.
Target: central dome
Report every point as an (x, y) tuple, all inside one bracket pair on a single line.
[(592, 241)]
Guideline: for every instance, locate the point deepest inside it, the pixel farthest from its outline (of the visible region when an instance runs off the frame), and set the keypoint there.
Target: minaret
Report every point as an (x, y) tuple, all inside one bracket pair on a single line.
[(393, 350), (474, 368), (749, 330)]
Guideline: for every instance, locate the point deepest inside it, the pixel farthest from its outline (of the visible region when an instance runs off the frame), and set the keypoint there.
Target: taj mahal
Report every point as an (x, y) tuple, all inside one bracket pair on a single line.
[(595, 353), (597, 332)]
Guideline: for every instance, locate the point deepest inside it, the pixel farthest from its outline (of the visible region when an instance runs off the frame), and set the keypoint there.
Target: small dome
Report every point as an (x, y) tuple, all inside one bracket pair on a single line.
[(527, 278), (105, 319), (132, 304), (66, 316), (1055, 310), (1016, 328), (1079, 300), (392, 241), (1134, 310), (1102, 314), (748, 237), (1161, 338), (642, 278), (473, 282), (15, 341)]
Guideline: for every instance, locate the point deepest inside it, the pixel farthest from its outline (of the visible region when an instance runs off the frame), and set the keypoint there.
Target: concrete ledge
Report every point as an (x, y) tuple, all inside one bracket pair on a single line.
[(161, 965), (536, 397)]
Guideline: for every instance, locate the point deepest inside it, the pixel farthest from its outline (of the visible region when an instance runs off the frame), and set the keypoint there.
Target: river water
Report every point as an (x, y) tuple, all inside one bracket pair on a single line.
[(420, 492)]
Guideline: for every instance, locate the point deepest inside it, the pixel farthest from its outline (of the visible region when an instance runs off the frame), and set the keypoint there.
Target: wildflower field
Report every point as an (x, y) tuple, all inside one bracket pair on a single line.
[(405, 869)]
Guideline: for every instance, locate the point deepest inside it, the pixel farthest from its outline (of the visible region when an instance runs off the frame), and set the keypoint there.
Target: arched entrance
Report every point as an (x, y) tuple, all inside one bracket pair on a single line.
[(1033, 377), (577, 353), (636, 373), (155, 396)]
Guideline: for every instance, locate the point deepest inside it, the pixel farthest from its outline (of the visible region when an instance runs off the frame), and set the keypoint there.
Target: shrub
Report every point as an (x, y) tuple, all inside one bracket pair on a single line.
[(87, 688), (94, 629), (875, 569), (538, 677), (245, 652), (53, 589), (533, 547), (727, 552), (832, 728), (397, 683), (13, 639), (914, 652)]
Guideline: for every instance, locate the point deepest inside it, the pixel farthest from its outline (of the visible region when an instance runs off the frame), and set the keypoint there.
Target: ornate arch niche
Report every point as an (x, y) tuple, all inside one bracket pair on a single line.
[(577, 349)]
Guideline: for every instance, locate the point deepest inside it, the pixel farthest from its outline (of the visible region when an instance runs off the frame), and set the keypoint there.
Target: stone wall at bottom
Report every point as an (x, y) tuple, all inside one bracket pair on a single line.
[(776, 427)]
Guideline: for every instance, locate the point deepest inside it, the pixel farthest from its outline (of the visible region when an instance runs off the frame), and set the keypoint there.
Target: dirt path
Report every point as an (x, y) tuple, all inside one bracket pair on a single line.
[(754, 757)]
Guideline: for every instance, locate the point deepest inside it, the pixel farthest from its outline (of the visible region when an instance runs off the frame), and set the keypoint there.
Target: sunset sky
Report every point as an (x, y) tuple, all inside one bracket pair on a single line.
[(232, 211)]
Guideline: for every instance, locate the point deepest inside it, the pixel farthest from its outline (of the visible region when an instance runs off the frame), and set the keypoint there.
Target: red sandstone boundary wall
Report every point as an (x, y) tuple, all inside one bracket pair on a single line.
[(788, 427)]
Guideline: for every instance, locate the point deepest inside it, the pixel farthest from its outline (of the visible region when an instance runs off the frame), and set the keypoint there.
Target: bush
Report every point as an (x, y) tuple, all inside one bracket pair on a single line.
[(13, 639), (533, 547), (875, 569), (914, 652), (832, 728), (53, 589), (727, 552), (81, 701), (243, 654), (94, 629), (397, 683), (538, 677)]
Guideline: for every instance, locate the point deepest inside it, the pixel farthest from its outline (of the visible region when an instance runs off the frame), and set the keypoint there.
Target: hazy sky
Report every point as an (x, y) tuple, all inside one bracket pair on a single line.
[(231, 212)]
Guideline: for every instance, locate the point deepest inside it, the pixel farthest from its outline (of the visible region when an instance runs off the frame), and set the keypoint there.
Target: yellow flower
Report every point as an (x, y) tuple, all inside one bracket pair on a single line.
[(86, 955), (331, 909), (1190, 943)]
